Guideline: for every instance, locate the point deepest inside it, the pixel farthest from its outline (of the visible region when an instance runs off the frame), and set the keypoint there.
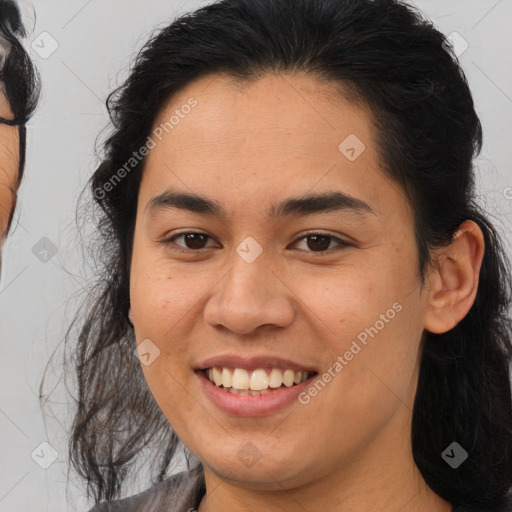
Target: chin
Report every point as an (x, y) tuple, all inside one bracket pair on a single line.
[(263, 473)]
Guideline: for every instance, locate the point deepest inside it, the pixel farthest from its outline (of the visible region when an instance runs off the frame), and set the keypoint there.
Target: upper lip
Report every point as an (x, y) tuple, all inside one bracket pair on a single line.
[(254, 362)]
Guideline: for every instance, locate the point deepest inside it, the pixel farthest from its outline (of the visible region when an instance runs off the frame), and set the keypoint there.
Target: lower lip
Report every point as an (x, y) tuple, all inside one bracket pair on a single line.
[(247, 405)]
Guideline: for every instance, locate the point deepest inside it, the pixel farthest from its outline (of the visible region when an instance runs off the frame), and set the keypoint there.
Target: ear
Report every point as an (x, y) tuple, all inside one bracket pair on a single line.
[(453, 282), (130, 315)]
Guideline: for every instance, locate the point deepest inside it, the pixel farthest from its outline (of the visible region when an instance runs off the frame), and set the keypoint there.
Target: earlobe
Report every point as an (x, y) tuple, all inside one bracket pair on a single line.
[(130, 315), (453, 283)]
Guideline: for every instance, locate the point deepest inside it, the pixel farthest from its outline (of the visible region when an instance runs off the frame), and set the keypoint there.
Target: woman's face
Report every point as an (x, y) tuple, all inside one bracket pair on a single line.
[(255, 293)]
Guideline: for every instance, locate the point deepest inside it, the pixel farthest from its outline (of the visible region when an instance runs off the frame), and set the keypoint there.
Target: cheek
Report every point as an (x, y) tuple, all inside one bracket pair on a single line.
[(161, 304), (162, 307), (353, 298), (167, 304), (374, 320)]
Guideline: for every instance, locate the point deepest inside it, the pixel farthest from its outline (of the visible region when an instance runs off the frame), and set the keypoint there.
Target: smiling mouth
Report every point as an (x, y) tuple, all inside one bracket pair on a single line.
[(257, 382)]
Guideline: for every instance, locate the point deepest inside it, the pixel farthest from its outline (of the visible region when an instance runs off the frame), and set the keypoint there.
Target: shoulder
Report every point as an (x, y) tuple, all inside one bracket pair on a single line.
[(177, 493)]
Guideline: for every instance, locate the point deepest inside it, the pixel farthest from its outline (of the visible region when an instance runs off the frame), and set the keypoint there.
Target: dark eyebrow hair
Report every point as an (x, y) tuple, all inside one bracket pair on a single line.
[(305, 205)]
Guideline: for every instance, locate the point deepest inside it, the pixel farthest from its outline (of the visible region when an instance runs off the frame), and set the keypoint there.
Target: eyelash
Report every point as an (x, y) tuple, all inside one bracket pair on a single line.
[(169, 242)]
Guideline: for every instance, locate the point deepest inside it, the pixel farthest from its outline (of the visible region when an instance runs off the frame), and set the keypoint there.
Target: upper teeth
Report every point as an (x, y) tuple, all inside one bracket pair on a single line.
[(257, 380)]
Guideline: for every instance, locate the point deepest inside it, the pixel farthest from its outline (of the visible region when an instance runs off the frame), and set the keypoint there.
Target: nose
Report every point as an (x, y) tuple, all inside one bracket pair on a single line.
[(250, 296)]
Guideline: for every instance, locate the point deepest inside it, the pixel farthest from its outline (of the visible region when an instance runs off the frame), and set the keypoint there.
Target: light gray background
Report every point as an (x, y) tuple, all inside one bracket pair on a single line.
[(96, 42)]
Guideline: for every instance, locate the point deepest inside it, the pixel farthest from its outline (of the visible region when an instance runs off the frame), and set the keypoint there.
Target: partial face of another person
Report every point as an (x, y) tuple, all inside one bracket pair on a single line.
[(309, 286), (9, 167)]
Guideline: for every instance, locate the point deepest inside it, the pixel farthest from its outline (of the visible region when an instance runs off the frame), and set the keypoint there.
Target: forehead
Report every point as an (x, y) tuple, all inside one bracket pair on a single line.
[(282, 133), (296, 104)]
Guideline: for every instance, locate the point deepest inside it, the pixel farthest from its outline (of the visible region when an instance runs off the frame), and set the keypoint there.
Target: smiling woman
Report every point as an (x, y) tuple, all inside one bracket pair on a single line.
[(309, 229)]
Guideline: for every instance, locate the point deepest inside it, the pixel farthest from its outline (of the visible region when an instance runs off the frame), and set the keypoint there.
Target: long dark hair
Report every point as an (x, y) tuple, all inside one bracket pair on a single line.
[(381, 53)]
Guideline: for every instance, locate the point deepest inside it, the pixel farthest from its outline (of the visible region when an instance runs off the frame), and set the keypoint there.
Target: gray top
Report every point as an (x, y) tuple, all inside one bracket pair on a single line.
[(178, 493)]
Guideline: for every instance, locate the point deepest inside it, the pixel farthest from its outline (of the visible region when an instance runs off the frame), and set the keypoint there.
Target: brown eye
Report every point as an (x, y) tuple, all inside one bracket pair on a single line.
[(193, 241), (318, 242)]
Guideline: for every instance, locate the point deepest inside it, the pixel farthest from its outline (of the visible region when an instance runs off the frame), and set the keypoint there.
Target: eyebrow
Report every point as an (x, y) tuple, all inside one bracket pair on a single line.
[(305, 205)]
